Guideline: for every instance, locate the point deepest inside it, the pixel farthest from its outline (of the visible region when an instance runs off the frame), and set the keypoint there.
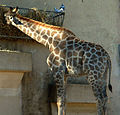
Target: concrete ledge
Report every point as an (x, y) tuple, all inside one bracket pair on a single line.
[(15, 61), (12, 68), (77, 109)]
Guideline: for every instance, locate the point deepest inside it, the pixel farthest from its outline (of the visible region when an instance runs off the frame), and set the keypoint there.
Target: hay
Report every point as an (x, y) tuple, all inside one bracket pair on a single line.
[(6, 29)]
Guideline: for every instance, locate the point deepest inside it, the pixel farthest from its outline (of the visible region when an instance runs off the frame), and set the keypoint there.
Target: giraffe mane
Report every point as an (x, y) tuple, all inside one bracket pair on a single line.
[(45, 25)]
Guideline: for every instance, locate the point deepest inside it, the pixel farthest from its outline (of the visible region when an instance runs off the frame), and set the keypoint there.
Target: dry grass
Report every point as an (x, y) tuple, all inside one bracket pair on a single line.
[(6, 29)]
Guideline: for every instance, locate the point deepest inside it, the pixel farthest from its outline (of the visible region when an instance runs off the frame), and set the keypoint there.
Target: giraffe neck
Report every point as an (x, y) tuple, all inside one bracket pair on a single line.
[(48, 35)]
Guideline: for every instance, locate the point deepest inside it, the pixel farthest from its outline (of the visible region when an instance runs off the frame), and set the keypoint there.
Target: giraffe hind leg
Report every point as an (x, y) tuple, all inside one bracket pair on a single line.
[(102, 103), (99, 90)]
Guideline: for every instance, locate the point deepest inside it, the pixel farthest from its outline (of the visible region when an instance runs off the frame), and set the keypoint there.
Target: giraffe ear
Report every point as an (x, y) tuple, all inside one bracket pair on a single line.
[(15, 10)]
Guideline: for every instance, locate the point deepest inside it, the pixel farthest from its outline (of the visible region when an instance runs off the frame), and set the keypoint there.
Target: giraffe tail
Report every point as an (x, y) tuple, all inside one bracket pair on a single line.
[(109, 66)]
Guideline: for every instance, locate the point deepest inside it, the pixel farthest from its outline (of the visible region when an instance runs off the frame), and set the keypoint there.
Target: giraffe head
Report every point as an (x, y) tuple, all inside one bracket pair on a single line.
[(11, 16)]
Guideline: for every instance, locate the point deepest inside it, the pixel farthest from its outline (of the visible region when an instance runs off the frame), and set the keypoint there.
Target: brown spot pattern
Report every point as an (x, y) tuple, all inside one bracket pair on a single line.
[(37, 31), (34, 26), (98, 53), (43, 32), (91, 45), (38, 38), (50, 40), (35, 34), (69, 54), (91, 67), (57, 37), (93, 56), (29, 24), (56, 62), (45, 37), (30, 34), (81, 53), (93, 50), (24, 30), (87, 49), (76, 40), (70, 47), (63, 53), (48, 32), (53, 33), (55, 43), (62, 44), (56, 50), (70, 38), (65, 35), (74, 61), (101, 59), (75, 53), (88, 54), (98, 47), (32, 29), (56, 58), (96, 67), (51, 57), (70, 42)]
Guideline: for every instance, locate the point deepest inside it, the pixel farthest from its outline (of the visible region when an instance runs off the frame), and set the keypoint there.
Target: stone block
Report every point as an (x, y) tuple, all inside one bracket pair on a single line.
[(15, 61), (10, 79)]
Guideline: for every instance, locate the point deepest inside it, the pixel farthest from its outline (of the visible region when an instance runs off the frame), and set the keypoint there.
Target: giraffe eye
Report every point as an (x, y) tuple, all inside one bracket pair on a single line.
[(11, 17)]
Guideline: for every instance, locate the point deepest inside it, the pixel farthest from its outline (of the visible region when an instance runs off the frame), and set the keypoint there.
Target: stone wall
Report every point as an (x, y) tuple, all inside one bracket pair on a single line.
[(34, 89)]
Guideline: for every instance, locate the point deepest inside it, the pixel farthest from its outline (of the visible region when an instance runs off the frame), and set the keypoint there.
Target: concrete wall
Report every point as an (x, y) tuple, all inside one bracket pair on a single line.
[(12, 68), (10, 104), (93, 20), (30, 98)]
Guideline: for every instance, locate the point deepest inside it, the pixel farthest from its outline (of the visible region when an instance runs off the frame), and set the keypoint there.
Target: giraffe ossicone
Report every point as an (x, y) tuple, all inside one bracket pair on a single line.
[(68, 55)]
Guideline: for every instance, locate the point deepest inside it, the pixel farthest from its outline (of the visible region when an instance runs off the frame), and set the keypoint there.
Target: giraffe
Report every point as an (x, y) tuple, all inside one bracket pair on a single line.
[(68, 56)]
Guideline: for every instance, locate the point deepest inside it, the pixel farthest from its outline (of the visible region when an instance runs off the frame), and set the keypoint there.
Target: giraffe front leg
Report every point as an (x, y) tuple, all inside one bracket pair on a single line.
[(61, 99), (60, 86)]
